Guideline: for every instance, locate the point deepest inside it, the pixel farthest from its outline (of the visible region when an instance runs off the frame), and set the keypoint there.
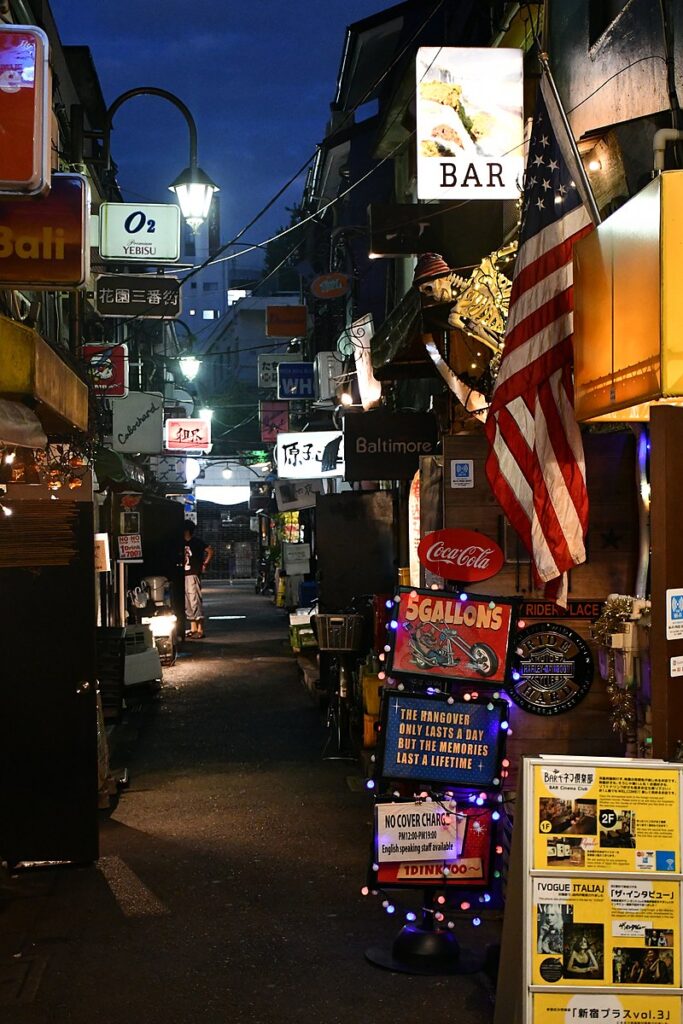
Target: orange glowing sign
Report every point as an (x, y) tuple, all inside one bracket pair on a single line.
[(24, 111), (43, 241)]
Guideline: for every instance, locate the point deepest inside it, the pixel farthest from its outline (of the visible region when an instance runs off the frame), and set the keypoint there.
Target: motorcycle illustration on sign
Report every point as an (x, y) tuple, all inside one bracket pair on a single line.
[(432, 646), (437, 633)]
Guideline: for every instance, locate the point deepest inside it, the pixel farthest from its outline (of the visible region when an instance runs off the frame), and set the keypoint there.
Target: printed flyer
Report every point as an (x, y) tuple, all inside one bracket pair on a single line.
[(589, 818), (573, 1008), (600, 931)]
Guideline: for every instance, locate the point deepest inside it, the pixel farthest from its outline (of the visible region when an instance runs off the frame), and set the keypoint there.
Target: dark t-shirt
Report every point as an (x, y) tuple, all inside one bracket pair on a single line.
[(194, 556)]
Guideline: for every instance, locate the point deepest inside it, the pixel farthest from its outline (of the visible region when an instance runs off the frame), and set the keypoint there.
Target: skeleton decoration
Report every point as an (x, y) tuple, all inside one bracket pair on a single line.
[(478, 307), (479, 304)]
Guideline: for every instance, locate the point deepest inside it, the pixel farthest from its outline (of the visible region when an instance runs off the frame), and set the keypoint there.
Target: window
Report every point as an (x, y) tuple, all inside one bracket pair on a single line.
[(235, 294), (193, 284), (192, 312), (210, 314), (210, 286)]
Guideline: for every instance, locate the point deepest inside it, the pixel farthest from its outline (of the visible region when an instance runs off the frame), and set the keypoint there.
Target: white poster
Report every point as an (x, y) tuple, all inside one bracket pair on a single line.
[(310, 455), (138, 423), (470, 126), (427, 831), (268, 364)]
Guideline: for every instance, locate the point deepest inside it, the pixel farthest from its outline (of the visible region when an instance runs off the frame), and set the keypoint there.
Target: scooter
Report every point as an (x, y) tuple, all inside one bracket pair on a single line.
[(432, 647), (160, 618)]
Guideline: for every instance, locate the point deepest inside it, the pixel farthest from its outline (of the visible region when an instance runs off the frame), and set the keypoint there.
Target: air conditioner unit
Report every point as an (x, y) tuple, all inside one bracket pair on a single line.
[(328, 368)]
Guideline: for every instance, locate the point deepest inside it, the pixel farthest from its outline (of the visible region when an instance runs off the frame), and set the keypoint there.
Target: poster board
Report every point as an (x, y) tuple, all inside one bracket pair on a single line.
[(595, 879), (447, 754)]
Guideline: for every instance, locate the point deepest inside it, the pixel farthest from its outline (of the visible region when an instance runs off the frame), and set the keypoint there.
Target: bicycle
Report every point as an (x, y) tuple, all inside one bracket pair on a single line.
[(340, 637)]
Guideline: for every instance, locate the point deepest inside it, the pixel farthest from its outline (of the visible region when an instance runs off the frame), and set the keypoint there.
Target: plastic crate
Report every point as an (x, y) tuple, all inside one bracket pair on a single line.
[(339, 632)]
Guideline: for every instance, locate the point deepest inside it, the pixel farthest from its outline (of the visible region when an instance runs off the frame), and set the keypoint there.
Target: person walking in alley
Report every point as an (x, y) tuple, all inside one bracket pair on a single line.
[(197, 558)]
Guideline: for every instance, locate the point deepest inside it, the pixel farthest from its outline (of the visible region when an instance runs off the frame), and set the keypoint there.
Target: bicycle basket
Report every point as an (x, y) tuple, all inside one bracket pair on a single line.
[(339, 632)]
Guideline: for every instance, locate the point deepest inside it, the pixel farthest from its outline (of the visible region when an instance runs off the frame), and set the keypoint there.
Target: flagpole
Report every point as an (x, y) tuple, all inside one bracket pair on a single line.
[(585, 183)]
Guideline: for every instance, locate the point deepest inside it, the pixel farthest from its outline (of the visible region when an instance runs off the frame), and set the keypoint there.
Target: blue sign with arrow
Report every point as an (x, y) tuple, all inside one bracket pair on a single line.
[(295, 381)]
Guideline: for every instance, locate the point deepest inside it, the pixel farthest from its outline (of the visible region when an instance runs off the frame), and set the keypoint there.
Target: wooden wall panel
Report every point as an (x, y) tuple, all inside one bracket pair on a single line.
[(611, 568)]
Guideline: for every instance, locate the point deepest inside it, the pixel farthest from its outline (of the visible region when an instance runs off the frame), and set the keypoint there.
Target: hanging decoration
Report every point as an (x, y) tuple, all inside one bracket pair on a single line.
[(63, 465), (622, 635)]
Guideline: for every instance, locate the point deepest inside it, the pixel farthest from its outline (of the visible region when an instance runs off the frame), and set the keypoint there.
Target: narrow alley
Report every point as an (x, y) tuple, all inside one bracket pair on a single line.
[(228, 887)]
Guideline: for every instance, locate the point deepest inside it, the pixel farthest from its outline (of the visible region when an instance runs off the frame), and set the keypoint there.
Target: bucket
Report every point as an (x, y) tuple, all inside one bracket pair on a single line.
[(156, 586)]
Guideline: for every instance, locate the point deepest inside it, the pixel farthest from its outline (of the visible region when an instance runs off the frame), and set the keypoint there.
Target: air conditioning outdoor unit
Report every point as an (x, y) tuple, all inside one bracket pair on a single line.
[(328, 368)]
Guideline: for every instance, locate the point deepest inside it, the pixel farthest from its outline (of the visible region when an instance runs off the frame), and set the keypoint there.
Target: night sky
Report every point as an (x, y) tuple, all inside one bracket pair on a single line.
[(258, 77)]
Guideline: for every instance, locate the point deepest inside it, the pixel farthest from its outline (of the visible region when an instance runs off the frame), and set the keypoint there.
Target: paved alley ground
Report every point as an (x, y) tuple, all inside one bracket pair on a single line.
[(228, 888)]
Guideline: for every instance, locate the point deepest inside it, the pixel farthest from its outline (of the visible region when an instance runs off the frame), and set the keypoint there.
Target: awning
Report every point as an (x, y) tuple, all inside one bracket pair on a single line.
[(30, 369), (20, 426), (397, 348)]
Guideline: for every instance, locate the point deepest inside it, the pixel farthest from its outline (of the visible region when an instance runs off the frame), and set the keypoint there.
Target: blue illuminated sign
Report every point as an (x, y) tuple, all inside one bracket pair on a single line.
[(295, 381), (430, 740)]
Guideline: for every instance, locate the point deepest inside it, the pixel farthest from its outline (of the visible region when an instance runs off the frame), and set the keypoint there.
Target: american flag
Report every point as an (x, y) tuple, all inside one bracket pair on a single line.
[(536, 464)]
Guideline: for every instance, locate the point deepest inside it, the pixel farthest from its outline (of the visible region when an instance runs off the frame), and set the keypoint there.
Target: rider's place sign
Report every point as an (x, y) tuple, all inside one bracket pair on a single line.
[(453, 636)]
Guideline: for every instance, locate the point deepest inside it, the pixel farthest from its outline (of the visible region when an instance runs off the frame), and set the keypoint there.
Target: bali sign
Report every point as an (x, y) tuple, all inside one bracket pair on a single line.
[(43, 241), (462, 555), (470, 127), (24, 111)]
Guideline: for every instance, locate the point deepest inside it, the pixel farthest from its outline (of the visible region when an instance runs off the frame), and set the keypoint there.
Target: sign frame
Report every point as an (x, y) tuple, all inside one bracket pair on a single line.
[(139, 308), (303, 471), (453, 605), (301, 385), (114, 232), (69, 200), (467, 140), (38, 136), (416, 431), (445, 705), (516, 989), (446, 569)]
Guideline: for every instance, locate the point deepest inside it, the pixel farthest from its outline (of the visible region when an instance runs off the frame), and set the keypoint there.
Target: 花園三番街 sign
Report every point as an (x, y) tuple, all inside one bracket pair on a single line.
[(132, 232), (145, 296)]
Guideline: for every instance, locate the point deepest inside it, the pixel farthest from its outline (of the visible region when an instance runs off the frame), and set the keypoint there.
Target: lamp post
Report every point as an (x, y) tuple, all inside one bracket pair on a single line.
[(193, 187)]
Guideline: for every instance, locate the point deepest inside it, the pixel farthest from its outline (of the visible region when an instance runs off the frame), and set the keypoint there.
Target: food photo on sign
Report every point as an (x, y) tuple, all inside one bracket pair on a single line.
[(451, 636)]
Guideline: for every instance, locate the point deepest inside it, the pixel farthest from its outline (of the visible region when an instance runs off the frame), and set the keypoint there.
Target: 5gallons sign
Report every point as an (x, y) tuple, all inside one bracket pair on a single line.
[(462, 555)]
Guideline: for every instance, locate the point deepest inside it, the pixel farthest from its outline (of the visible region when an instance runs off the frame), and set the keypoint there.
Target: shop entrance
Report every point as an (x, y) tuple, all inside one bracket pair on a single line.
[(48, 722)]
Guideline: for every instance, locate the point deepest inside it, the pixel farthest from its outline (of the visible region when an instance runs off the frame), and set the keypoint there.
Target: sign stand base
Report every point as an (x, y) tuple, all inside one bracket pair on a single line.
[(424, 949)]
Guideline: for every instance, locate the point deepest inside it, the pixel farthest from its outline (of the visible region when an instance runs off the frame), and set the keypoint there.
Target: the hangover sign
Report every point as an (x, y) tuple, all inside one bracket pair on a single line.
[(430, 740)]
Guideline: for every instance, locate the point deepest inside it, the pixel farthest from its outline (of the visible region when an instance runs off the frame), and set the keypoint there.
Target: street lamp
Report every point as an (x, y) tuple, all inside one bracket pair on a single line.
[(189, 366), (193, 187)]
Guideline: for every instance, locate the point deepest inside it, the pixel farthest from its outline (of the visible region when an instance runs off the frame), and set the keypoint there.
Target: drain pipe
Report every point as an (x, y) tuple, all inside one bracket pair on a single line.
[(659, 141)]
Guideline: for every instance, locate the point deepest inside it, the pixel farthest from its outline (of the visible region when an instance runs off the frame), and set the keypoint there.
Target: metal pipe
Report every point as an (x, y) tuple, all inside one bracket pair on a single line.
[(150, 91), (659, 141)]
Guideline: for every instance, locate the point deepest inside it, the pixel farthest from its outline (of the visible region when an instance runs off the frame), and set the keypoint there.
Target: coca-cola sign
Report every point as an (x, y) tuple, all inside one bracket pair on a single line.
[(462, 555)]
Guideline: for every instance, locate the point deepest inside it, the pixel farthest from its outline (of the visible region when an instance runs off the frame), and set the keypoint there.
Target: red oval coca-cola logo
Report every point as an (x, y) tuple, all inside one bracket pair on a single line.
[(463, 555)]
